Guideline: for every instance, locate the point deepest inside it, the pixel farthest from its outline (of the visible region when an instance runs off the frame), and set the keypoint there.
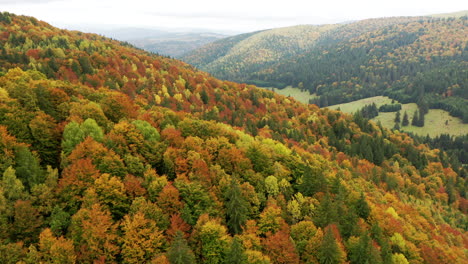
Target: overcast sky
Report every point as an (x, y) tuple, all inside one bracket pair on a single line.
[(234, 15)]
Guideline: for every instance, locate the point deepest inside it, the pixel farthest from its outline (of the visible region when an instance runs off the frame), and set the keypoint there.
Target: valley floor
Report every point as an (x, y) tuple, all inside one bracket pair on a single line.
[(436, 121)]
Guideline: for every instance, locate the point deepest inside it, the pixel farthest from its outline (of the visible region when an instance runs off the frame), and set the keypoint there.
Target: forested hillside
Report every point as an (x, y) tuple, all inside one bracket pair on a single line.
[(411, 59), (236, 58), (113, 155)]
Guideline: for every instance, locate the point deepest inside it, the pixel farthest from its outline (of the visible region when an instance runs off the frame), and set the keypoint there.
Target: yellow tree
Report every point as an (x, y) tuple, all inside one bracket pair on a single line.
[(142, 240)]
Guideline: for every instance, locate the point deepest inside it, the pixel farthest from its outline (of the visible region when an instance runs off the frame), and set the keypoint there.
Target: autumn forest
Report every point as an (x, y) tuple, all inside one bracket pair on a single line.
[(110, 154)]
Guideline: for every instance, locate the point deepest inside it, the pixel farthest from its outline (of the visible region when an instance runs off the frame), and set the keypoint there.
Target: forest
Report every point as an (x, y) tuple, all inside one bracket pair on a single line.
[(110, 154), (410, 59)]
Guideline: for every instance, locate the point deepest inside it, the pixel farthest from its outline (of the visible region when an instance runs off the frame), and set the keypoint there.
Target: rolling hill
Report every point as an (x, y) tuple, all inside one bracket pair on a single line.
[(175, 44), (109, 154), (421, 60)]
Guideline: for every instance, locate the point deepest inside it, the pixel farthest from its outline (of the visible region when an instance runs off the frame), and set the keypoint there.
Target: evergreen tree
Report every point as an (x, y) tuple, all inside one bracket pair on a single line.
[(204, 96), (326, 212), (421, 119), (313, 181), (236, 208), (364, 252), (405, 121), (236, 254), (415, 121), (397, 117), (329, 251), (180, 252), (362, 208)]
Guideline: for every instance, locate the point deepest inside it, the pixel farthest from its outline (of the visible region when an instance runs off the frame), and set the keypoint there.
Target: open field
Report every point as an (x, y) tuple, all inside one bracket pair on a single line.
[(296, 93), (435, 120)]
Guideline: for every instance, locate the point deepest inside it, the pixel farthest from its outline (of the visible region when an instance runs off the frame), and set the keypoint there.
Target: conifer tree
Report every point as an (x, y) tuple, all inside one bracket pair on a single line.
[(180, 252), (415, 121), (329, 251), (362, 208), (236, 254), (405, 121), (397, 117), (236, 208), (313, 181)]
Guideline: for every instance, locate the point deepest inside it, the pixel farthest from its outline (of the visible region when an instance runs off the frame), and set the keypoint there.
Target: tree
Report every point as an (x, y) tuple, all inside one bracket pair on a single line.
[(94, 234), (280, 248), (313, 181), (397, 117), (362, 208), (214, 242), (55, 250), (405, 121), (236, 208), (12, 186), (236, 253), (142, 240), (271, 185), (415, 121), (326, 212), (362, 251), (28, 169), (180, 252), (329, 251)]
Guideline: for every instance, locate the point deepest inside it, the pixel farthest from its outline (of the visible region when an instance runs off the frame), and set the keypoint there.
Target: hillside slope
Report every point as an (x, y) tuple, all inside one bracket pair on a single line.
[(231, 58), (111, 154), (412, 59)]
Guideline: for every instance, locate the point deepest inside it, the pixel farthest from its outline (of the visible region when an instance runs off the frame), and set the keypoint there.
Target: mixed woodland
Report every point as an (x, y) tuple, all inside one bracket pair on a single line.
[(410, 59), (110, 154)]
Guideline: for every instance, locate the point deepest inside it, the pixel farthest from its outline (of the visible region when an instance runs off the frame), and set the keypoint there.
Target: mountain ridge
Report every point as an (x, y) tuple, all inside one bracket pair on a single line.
[(403, 57)]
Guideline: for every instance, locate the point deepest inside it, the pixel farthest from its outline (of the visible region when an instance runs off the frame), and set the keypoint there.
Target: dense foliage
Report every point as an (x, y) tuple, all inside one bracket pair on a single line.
[(110, 154), (410, 59)]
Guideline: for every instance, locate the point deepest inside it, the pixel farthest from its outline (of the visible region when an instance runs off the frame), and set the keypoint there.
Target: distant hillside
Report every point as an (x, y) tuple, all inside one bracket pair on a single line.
[(412, 59), (110, 154), (175, 44), (454, 14), (238, 58)]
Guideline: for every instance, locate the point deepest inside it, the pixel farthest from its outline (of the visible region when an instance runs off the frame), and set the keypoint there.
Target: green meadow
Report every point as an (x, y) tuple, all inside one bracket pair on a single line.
[(436, 121)]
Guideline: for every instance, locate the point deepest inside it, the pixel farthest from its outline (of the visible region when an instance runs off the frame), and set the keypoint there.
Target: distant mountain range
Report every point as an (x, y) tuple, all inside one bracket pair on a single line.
[(411, 59), (175, 44), (163, 41)]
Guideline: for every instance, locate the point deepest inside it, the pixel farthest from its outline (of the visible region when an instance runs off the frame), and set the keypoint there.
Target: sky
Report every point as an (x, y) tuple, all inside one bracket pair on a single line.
[(217, 15)]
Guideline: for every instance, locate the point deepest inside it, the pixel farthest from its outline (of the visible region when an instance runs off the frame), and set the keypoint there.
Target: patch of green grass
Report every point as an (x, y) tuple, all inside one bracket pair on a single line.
[(436, 121), (296, 93), (352, 107), (435, 124)]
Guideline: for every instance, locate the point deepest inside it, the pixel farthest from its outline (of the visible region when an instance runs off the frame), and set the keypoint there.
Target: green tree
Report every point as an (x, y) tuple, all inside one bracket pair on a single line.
[(329, 251), (236, 254), (180, 252), (28, 169), (326, 212), (397, 117), (415, 121), (12, 186), (313, 181), (405, 121), (363, 251), (362, 207), (236, 208)]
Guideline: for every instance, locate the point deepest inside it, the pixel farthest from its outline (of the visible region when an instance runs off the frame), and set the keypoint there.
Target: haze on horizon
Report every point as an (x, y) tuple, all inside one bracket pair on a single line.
[(218, 16)]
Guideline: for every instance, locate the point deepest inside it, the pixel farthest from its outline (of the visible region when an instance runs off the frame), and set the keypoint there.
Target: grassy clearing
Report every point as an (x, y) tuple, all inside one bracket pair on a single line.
[(435, 120), (296, 93)]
